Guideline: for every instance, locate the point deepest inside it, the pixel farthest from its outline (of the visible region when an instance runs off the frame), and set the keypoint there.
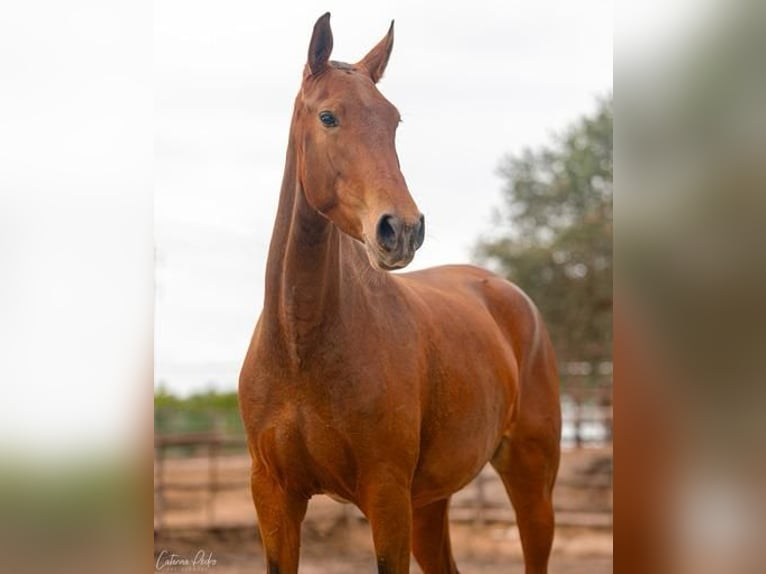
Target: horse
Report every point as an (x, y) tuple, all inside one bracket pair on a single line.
[(387, 390)]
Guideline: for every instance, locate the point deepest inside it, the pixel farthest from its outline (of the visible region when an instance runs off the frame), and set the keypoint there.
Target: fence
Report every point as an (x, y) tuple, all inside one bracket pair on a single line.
[(586, 411), (213, 445), (218, 464)]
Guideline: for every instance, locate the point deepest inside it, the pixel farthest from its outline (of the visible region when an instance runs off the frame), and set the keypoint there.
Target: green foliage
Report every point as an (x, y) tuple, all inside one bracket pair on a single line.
[(555, 234), (163, 399), (196, 402), (201, 412)]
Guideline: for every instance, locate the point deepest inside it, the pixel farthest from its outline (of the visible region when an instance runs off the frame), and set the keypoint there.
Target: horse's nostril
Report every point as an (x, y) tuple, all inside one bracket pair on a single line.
[(388, 230), (420, 232)]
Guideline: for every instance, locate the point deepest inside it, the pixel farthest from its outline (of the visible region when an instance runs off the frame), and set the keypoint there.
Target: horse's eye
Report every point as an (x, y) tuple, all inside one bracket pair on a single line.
[(328, 119)]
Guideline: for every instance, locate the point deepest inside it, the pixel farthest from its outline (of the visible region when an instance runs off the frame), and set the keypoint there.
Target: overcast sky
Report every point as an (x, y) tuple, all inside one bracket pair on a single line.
[(473, 83)]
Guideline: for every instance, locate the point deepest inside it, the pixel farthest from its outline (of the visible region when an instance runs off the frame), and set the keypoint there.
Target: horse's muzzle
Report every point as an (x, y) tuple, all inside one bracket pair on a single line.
[(398, 240)]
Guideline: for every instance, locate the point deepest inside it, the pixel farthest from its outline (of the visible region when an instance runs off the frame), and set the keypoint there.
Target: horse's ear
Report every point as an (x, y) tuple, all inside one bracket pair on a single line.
[(377, 58), (321, 44)]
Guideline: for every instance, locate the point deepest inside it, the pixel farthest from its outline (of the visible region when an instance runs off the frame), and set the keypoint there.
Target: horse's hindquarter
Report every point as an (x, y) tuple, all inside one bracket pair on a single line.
[(475, 325)]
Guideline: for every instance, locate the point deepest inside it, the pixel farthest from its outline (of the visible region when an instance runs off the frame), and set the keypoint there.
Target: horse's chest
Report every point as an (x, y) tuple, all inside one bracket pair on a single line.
[(314, 441)]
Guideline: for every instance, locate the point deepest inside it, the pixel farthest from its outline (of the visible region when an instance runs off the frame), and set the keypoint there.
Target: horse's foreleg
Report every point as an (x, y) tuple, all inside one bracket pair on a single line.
[(280, 514), (387, 505), (430, 538)]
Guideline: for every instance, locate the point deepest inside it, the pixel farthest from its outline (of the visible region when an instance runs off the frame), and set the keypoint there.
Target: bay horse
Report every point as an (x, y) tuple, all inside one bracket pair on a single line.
[(390, 391)]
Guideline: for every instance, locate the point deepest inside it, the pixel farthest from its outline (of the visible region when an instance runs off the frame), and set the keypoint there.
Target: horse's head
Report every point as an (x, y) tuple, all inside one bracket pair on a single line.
[(348, 167)]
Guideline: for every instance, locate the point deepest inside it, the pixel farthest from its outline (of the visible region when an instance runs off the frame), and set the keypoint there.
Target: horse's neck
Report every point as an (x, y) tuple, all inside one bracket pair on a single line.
[(303, 271)]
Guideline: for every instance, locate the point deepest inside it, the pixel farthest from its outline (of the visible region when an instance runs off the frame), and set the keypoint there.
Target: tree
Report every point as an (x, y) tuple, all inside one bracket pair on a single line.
[(554, 235)]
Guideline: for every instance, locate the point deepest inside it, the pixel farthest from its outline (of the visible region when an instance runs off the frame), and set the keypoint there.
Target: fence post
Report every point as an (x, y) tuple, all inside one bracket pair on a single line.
[(578, 420), (159, 501), (212, 478), (481, 499), (606, 406)]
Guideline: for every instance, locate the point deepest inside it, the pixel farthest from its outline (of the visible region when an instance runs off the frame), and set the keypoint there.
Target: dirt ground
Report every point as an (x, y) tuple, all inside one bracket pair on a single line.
[(336, 538)]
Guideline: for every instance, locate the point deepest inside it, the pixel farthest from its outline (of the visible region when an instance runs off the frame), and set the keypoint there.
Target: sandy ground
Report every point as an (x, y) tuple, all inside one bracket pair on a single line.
[(336, 538)]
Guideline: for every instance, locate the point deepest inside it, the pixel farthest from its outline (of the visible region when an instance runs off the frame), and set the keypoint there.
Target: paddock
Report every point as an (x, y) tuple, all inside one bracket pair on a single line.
[(202, 502)]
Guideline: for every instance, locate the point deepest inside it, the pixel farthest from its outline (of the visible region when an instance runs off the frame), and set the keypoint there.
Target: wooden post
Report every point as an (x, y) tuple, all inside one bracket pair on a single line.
[(577, 420), (159, 499), (481, 499), (606, 406), (212, 479)]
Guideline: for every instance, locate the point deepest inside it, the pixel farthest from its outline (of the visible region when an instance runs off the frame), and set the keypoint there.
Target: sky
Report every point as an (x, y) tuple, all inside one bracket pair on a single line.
[(472, 85)]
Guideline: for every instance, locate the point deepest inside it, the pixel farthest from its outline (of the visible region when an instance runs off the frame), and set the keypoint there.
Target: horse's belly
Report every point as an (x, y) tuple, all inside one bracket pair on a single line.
[(462, 426), (440, 479), (450, 461)]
